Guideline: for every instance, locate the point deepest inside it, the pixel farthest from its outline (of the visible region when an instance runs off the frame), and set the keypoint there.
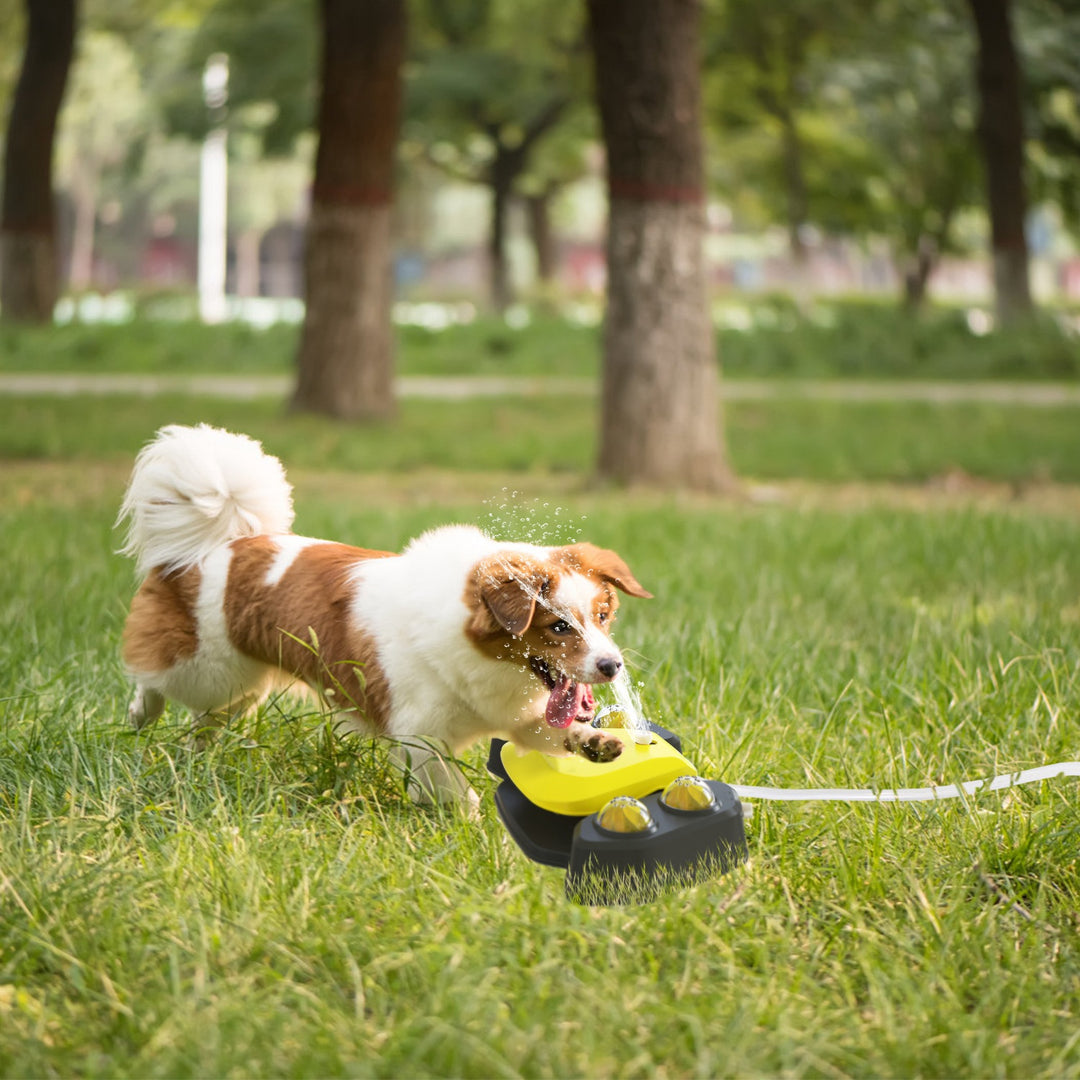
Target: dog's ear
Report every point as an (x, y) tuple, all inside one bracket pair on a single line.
[(606, 565), (504, 592)]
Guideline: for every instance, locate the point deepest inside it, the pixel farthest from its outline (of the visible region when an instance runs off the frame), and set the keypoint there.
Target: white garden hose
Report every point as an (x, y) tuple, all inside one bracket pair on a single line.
[(925, 794)]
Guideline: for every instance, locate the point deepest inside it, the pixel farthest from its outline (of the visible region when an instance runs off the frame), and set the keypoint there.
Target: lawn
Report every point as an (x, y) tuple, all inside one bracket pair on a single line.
[(272, 907), (765, 336), (783, 438)]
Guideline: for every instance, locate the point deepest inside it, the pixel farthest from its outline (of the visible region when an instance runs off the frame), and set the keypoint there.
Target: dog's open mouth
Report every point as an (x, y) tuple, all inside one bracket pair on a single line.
[(569, 700)]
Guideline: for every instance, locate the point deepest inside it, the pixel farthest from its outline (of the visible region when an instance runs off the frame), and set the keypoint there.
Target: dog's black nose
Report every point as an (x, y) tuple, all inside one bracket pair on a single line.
[(609, 667)]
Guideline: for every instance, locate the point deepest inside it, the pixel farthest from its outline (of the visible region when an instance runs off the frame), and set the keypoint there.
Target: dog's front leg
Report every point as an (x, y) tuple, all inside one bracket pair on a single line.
[(432, 777), (596, 744)]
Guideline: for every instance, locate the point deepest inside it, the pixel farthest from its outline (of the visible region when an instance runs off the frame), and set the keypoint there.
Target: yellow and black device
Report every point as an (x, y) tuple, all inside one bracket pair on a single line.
[(624, 830)]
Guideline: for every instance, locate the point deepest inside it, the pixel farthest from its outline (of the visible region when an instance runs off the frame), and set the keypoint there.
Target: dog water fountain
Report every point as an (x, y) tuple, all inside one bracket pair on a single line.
[(624, 830)]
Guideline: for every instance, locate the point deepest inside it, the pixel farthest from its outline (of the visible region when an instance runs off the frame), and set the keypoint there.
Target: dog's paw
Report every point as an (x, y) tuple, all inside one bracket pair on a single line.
[(146, 706), (595, 745)]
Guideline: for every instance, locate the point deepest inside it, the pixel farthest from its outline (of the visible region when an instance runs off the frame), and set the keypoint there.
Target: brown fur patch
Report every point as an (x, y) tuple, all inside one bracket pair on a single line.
[(161, 628), (602, 564), (303, 625), (605, 608), (501, 593)]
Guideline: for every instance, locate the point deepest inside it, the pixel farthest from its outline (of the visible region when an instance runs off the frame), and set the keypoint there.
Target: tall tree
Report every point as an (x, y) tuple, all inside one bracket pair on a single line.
[(346, 357), (1049, 41), (263, 192), (29, 276), (483, 106), (565, 159), (903, 95), (1001, 139), (104, 112), (660, 417), (763, 51)]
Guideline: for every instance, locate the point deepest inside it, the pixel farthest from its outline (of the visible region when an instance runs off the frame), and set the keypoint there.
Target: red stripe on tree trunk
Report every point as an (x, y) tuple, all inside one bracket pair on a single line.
[(352, 195), (642, 191), (27, 228)]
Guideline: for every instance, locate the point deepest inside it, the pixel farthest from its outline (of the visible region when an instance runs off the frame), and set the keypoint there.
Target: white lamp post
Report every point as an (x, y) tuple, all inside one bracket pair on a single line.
[(213, 194)]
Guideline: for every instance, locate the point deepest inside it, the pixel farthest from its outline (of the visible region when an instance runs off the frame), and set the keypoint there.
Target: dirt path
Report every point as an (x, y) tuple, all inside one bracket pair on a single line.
[(456, 388), (30, 485)]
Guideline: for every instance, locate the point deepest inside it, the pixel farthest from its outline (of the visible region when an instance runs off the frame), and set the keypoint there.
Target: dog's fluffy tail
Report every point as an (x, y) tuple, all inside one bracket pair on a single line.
[(196, 488)]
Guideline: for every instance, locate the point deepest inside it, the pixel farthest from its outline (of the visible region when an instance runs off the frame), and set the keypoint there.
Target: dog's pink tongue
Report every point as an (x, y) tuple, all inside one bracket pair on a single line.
[(567, 701)]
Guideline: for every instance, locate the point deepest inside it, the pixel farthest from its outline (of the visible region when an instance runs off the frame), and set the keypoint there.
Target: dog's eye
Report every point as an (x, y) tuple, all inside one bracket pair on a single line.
[(602, 617), (560, 627)]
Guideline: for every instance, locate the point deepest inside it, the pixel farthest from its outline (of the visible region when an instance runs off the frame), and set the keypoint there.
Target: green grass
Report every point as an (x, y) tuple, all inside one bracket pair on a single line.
[(486, 347), (777, 439), (871, 339), (272, 908), (846, 339), (147, 347)]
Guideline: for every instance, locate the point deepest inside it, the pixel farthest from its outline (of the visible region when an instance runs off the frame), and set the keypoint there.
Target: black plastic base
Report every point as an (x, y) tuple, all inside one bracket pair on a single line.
[(608, 868), (681, 849)]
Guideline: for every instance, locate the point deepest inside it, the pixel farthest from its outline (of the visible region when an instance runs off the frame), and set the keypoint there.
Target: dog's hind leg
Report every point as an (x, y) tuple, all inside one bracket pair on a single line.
[(146, 706), (432, 777), (207, 723), (204, 729)]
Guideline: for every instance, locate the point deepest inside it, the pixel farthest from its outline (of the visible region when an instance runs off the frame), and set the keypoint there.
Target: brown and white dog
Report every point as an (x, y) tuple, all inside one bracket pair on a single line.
[(458, 638)]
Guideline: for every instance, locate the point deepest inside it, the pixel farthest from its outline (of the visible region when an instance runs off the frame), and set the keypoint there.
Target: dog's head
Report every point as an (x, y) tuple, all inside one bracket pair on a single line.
[(551, 611)]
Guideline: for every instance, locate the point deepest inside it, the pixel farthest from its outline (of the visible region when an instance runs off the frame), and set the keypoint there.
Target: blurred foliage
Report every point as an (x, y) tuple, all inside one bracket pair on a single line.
[(11, 36), (1050, 49), (857, 124), (486, 76), (272, 51)]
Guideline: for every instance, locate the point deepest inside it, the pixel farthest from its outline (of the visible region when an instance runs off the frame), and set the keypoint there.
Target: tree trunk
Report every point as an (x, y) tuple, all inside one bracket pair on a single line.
[(538, 208), (795, 185), (916, 274), (801, 280), (660, 414), (346, 358), (248, 263), (84, 199), (29, 277), (1001, 138), (501, 179)]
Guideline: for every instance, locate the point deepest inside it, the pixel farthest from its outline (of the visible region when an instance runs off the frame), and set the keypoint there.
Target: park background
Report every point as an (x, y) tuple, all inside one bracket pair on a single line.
[(859, 223)]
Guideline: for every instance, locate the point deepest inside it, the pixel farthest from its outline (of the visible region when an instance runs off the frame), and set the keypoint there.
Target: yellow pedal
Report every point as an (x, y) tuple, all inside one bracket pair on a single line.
[(575, 786)]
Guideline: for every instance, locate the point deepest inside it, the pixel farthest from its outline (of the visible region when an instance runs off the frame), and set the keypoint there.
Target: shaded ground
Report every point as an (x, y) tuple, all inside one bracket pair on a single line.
[(39, 483)]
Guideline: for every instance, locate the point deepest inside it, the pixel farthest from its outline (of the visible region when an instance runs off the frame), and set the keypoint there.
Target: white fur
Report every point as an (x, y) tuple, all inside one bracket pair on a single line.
[(414, 607), (575, 594), (196, 488), (288, 547)]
